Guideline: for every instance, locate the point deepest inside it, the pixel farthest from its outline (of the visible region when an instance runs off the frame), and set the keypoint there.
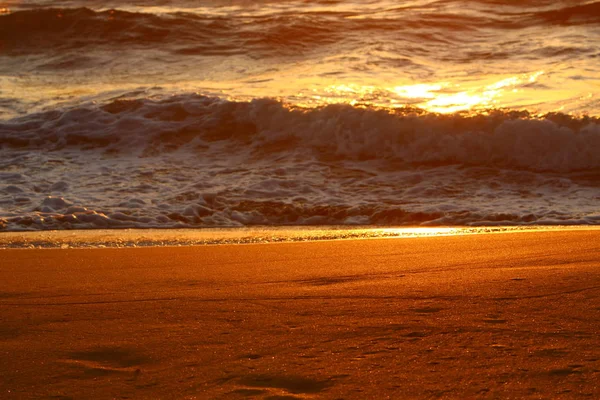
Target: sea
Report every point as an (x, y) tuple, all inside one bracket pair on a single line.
[(239, 113)]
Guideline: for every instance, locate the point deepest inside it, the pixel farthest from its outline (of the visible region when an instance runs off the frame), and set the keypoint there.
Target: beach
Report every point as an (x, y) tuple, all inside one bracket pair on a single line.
[(509, 315), (291, 199)]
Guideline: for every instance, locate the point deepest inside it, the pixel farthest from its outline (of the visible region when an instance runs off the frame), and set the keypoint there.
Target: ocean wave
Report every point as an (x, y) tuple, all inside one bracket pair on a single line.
[(272, 32), (197, 161), (272, 213), (78, 27), (55, 29), (267, 128), (572, 15)]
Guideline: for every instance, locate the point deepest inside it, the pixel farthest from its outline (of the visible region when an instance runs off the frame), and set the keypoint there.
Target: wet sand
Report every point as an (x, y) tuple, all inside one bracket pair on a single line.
[(513, 315)]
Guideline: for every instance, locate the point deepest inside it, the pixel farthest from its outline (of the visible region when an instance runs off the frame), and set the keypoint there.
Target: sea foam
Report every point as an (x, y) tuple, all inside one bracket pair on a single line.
[(197, 161)]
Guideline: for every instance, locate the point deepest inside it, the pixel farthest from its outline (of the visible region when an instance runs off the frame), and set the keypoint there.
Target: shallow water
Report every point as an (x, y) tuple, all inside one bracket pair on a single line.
[(118, 114), (120, 238)]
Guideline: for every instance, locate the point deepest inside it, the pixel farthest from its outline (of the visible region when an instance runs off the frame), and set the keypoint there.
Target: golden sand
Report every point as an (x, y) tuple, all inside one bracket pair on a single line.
[(474, 316)]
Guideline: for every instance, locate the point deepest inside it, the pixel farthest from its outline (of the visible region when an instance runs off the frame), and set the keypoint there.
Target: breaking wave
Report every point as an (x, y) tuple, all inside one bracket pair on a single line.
[(196, 161), (267, 128)]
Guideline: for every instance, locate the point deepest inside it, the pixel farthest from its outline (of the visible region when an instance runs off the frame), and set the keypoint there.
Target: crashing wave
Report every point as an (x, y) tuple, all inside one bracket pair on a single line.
[(195, 123)]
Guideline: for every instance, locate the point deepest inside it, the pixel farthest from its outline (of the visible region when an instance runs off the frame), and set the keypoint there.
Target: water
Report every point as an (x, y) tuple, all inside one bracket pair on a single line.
[(102, 238), (199, 113)]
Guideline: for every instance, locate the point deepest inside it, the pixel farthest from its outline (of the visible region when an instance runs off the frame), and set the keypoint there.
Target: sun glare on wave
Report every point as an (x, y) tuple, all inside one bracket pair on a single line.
[(480, 98), (439, 97)]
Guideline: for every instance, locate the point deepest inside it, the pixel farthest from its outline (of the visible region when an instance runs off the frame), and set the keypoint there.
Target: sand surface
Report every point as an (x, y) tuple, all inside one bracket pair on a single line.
[(513, 315)]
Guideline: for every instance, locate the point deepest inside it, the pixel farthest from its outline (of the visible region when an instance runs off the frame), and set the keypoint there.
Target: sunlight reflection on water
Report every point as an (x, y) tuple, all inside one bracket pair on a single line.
[(440, 97), (440, 57), (196, 237)]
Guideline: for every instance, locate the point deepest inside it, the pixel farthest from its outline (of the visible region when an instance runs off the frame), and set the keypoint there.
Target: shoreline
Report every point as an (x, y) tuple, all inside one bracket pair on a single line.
[(119, 238), (471, 316)]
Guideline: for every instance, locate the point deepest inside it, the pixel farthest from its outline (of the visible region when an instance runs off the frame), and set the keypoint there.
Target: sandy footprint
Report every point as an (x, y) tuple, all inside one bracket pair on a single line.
[(107, 360), (281, 387)]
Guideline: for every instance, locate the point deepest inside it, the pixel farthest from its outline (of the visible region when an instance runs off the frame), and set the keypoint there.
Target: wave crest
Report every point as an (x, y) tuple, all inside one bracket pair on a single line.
[(74, 28), (274, 33), (59, 29), (572, 15), (267, 128)]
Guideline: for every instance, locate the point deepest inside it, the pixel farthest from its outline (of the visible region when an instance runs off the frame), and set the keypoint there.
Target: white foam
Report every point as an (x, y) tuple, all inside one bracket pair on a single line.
[(221, 163)]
